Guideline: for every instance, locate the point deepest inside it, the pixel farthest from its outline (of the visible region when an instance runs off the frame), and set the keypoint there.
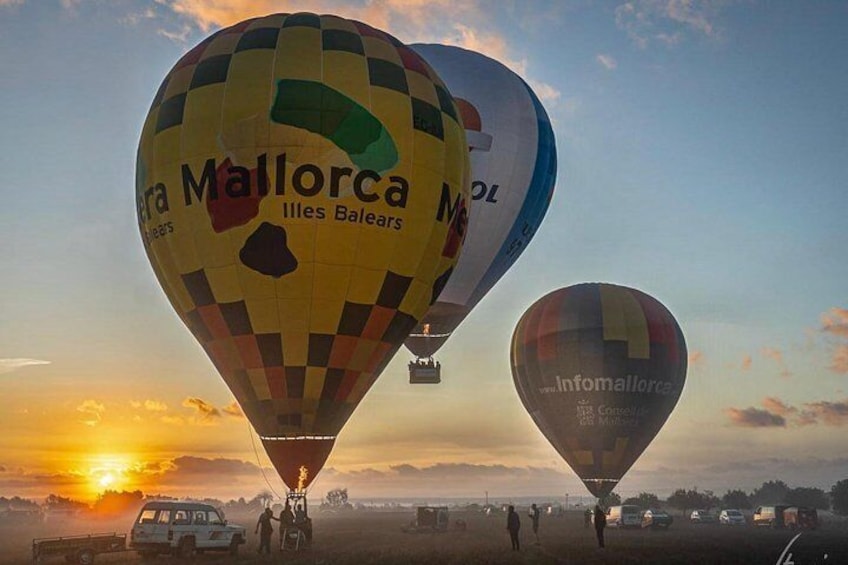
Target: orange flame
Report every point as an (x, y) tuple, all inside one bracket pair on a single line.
[(301, 479), (426, 329)]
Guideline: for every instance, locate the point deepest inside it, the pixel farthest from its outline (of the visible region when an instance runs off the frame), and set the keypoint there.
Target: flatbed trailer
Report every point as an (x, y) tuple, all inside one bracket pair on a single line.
[(78, 549)]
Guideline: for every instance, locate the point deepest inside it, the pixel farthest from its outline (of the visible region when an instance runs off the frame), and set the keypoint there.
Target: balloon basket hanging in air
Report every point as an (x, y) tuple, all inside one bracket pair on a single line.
[(425, 371)]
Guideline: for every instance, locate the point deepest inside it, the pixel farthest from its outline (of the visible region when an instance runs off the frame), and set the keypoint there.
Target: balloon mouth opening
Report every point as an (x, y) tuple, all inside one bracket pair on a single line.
[(600, 487), (298, 458)]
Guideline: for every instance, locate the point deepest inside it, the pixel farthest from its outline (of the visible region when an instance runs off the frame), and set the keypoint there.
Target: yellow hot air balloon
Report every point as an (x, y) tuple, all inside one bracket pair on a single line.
[(301, 190)]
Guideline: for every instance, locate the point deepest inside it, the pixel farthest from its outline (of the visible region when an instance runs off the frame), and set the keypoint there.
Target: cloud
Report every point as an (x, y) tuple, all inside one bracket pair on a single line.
[(233, 409), (172, 420), (696, 359), (667, 21), (835, 321), (11, 365), (463, 23), (155, 406), (839, 363), (607, 61), (136, 17), (92, 410), (746, 363), (831, 413), (777, 356), (205, 412), (754, 418), (11, 2), (772, 353), (777, 413)]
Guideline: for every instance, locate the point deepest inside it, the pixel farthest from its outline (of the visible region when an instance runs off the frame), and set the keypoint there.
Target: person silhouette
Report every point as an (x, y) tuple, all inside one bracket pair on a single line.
[(513, 524)]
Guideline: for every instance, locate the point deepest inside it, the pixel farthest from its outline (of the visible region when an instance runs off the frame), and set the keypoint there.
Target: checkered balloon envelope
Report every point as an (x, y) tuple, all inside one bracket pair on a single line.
[(301, 187)]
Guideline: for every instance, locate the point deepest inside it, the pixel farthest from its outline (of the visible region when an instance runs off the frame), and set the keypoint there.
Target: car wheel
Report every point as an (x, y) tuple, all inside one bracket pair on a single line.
[(85, 557), (234, 545)]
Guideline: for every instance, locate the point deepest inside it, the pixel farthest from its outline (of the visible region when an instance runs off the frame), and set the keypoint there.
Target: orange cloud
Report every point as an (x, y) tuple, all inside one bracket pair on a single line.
[(464, 23), (92, 410), (772, 353), (776, 412), (233, 409), (746, 363), (754, 418), (696, 359), (155, 406), (839, 363), (835, 321), (776, 355), (831, 413), (776, 406), (205, 412)]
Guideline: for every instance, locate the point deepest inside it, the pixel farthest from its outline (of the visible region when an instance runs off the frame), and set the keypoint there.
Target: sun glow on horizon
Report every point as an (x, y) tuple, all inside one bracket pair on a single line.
[(108, 472)]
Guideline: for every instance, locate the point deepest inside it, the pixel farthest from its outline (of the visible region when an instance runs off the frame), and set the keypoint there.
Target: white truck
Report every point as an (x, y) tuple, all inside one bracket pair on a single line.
[(183, 528)]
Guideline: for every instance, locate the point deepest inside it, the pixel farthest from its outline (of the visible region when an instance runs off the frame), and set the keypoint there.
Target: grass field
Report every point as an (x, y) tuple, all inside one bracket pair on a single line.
[(363, 538)]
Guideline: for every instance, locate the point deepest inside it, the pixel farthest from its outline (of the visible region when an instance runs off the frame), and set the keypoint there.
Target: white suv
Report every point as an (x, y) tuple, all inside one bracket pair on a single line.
[(180, 528)]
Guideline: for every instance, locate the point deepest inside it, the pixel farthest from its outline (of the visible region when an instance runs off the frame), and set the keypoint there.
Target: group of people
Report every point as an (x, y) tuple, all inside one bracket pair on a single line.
[(513, 524), (289, 518)]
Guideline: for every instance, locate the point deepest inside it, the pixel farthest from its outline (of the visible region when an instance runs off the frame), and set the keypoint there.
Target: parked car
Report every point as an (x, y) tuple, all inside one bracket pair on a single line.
[(731, 517), (702, 517), (625, 516), (770, 516), (656, 519), (180, 528), (801, 517)]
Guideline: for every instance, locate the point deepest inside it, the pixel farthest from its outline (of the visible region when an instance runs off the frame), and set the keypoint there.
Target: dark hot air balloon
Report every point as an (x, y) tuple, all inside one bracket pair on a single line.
[(599, 367)]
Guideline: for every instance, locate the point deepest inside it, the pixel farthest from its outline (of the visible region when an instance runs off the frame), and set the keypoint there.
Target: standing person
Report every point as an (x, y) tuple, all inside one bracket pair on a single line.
[(286, 521), (600, 524), (534, 516), (265, 529), (513, 524)]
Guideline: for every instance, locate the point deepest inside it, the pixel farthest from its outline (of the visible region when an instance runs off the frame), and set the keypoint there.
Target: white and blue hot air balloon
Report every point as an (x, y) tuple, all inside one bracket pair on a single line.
[(513, 170)]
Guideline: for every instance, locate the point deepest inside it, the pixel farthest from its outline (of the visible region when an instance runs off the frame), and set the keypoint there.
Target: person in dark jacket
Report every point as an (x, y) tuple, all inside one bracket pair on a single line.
[(600, 524), (265, 529), (513, 524)]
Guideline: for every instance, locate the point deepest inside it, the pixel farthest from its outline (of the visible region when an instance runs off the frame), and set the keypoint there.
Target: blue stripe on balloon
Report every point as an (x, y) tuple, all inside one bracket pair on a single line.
[(534, 208)]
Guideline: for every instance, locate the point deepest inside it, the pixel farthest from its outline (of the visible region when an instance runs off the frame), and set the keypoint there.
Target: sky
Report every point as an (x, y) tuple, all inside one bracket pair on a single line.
[(702, 151)]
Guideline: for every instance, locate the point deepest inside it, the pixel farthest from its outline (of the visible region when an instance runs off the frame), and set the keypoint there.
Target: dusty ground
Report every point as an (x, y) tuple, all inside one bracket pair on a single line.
[(362, 538)]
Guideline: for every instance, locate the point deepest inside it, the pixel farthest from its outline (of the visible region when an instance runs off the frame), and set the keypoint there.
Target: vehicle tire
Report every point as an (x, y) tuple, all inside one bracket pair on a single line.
[(234, 545), (186, 548), (85, 556)]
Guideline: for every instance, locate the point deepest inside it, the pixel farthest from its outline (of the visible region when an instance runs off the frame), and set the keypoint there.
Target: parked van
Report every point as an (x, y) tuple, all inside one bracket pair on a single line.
[(801, 517), (625, 516), (771, 516)]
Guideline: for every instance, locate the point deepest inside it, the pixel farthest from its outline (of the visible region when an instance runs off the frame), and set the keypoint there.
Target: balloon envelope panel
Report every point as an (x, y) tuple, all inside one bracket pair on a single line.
[(290, 179), (513, 166), (599, 367)]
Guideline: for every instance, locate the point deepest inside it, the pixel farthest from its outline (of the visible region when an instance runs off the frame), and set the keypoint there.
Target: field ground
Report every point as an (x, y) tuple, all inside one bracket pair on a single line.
[(372, 537)]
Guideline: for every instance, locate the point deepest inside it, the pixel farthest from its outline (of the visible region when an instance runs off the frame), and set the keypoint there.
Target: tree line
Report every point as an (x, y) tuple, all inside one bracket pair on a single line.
[(770, 492)]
